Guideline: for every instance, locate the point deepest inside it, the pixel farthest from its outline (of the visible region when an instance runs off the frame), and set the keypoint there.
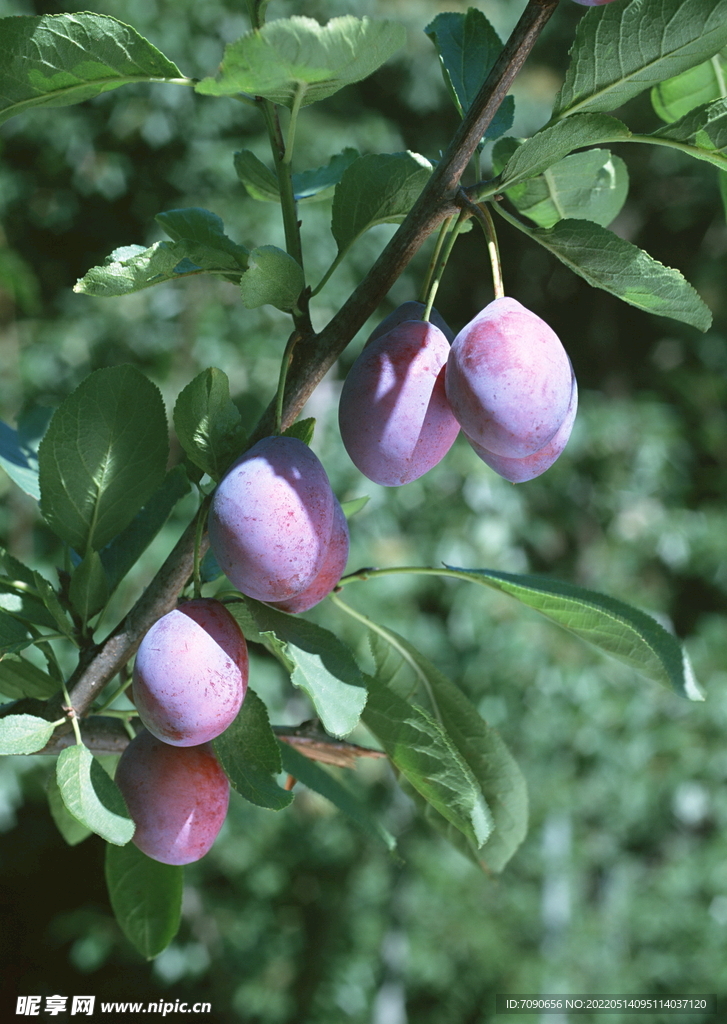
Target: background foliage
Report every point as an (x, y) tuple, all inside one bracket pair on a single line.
[(621, 884)]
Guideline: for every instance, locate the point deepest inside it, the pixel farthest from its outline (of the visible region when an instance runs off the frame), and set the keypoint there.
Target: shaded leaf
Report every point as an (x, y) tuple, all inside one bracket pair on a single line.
[(376, 189), (91, 796), (208, 423), (259, 181), (622, 49), (308, 186), (103, 456), (69, 827), (296, 59), (621, 268), (60, 59), (319, 182), (468, 47), (21, 678), (249, 753), (705, 128), (123, 552), (419, 748), (615, 627), (304, 770), (13, 635), (89, 590), (52, 602), (493, 766), (146, 897)]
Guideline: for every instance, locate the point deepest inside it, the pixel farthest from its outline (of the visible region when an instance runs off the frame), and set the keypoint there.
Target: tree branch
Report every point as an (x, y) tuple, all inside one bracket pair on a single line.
[(316, 353)]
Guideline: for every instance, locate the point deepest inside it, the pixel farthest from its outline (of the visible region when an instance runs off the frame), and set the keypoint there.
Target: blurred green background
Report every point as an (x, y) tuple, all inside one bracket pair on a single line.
[(297, 917)]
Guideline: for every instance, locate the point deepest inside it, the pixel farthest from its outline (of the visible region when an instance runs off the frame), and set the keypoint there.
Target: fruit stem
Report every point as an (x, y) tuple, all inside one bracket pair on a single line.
[(445, 253), (484, 219), (446, 225), (104, 709)]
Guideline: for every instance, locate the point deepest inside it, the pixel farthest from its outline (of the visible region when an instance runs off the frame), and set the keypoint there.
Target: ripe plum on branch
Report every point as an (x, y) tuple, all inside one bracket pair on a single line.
[(271, 518), (176, 796), (190, 674)]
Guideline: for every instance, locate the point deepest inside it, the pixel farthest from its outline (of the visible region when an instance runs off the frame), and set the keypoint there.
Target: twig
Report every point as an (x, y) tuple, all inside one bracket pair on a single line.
[(317, 353)]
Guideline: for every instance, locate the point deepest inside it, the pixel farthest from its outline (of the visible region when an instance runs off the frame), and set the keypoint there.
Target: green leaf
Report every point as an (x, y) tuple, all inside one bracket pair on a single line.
[(319, 183), (89, 590), (15, 570), (354, 505), (103, 456), (208, 423), (91, 796), (302, 429), (500, 780), (468, 47), (308, 186), (21, 678), (123, 552), (52, 602), (592, 185), (376, 189), (319, 663), (133, 267), (622, 49), (14, 598), (72, 830), (621, 268), (615, 627), (304, 770), (550, 145), (419, 748), (60, 59), (24, 734), (19, 463), (722, 176), (259, 181), (13, 635), (146, 897), (704, 128), (676, 96), (274, 277), (248, 751), (194, 224), (297, 60)]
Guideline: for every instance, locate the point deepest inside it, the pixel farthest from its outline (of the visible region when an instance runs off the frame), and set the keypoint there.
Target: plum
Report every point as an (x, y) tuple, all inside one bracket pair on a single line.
[(517, 471), (177, 797), (190, 674), (271, 518), (410, 311), (330, 572), (393, 414), (508, 380)]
